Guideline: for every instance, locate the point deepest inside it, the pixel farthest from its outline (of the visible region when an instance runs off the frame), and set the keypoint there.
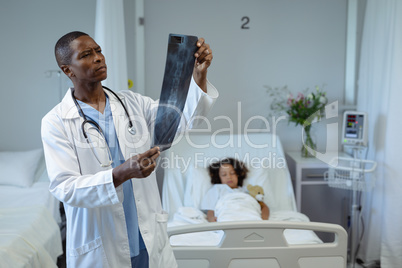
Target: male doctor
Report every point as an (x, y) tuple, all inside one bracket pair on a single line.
[(102, 169)]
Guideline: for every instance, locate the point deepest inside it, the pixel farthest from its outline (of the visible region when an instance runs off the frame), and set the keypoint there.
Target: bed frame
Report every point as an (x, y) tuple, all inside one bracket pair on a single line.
[(261, 244), (251, 244)]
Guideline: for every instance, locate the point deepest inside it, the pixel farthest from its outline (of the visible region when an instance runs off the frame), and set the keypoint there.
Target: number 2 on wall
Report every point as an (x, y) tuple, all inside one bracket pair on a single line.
[(246, 21)]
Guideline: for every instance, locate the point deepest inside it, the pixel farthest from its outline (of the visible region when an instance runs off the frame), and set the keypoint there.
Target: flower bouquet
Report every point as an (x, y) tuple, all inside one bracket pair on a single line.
[(302, 110)]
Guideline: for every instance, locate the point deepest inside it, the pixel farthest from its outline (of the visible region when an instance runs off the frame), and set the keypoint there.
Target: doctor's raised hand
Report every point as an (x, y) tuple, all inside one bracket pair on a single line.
[(142, 165), (138, 166), (203, 60)]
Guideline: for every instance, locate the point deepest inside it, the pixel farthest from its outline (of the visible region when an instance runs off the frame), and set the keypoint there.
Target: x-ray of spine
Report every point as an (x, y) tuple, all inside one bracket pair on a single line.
[(176, 82)]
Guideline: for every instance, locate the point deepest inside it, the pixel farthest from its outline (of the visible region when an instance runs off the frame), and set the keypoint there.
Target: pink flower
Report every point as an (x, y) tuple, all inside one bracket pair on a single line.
[(300, 96), (290, 99)]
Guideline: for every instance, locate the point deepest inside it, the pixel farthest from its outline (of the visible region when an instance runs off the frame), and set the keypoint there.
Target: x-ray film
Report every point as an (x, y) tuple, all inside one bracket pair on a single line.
[(176, 81)]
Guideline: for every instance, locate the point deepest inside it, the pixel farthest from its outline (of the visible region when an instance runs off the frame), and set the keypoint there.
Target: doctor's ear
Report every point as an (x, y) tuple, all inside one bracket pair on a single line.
[(66, 69)]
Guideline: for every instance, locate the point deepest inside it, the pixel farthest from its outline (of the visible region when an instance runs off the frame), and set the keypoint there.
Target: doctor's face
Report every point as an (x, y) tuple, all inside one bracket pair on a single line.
[(228, 175), (87, 62)]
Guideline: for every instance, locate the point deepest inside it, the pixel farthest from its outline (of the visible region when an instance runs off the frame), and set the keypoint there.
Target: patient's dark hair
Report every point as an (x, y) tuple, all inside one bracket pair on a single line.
[(239, 167), (62, 49)]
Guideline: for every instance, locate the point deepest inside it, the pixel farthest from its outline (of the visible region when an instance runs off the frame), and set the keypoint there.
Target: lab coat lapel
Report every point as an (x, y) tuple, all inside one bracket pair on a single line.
[(68, 108)]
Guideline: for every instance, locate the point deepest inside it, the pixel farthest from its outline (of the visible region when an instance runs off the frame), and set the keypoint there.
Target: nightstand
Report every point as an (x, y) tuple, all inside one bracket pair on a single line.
[(314, 197)]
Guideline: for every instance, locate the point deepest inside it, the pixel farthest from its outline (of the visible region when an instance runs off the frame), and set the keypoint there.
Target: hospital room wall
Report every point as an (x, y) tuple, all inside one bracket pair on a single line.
[(29, 30), (295, 43), (299, 44)]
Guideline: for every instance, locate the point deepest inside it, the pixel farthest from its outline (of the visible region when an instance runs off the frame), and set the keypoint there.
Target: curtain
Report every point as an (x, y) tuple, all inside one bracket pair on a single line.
[(110, 35), (380, 95)]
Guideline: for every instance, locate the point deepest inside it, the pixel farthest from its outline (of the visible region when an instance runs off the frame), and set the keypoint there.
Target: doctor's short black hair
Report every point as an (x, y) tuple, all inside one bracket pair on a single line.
[(239, 167), (62, 49)]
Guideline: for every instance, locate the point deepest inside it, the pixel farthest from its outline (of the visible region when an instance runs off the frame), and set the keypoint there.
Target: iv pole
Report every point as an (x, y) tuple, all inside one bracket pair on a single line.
[(353, 173), (354, 220), (350, 174)]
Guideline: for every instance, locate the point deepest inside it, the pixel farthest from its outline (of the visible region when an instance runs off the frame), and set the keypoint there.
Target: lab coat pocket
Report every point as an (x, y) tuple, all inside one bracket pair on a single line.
[(88, 255), (165, 252), (161, 230)]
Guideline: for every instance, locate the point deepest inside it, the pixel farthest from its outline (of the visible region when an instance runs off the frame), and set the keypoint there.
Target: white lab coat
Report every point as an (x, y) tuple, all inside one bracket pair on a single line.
[(96, 228)]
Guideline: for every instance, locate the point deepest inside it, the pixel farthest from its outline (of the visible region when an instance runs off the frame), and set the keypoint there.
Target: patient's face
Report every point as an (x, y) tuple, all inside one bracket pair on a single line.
[(228, 175)]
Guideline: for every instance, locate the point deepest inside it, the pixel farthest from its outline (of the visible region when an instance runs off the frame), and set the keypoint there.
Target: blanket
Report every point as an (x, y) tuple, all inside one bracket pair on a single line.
[(190, 215), (237, 207)]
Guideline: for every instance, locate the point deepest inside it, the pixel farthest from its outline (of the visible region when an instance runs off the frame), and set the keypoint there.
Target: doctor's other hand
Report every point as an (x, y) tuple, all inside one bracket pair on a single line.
[(138, 166), (203, 60)]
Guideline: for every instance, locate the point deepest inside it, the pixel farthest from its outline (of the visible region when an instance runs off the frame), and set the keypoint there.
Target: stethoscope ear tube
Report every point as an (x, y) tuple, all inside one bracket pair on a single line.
[(83, 129), (130, 124), (130, 128), (92, 123)]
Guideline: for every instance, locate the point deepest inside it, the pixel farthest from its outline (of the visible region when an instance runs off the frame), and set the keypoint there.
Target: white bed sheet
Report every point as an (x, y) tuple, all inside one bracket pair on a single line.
[(29, 237), (36, 195)]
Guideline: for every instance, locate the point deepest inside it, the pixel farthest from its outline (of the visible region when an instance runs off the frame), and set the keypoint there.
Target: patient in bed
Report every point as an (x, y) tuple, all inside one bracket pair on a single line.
[(227, 200)]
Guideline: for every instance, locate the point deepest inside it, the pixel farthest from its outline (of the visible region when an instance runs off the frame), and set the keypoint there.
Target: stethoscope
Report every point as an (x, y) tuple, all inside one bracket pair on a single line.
[(130, 128)]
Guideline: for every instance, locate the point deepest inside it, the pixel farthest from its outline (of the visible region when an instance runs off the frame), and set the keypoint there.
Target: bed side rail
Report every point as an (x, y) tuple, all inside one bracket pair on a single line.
[(261, 244)]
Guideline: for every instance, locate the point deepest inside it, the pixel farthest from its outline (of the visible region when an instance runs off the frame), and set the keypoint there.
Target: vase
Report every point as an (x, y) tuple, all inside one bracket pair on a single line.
[(308, 141)]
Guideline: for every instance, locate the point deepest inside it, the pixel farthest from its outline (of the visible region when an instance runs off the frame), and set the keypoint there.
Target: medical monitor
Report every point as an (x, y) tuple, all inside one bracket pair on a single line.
[(354, 131)]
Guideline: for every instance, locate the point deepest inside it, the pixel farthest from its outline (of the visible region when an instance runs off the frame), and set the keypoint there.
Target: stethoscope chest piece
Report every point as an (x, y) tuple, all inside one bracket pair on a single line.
[(131, 130)]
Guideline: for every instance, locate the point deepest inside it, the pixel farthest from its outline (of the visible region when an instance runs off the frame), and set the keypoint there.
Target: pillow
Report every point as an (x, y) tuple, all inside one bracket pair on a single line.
[(260, 176), (41, 171), (41, 175), (19, 168), (198, 182), (276, 184)]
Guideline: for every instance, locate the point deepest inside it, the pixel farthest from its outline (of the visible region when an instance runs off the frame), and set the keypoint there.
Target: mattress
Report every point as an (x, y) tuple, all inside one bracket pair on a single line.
[(36, 195), (29, 216), (29, 237)]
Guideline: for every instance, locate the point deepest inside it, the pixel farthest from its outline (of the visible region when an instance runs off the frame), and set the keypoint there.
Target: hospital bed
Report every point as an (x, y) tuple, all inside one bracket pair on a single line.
[(287, 239), (29, 215)]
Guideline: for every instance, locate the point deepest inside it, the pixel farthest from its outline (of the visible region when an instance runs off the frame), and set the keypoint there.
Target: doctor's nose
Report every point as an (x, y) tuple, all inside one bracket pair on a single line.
[(98, 57)]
